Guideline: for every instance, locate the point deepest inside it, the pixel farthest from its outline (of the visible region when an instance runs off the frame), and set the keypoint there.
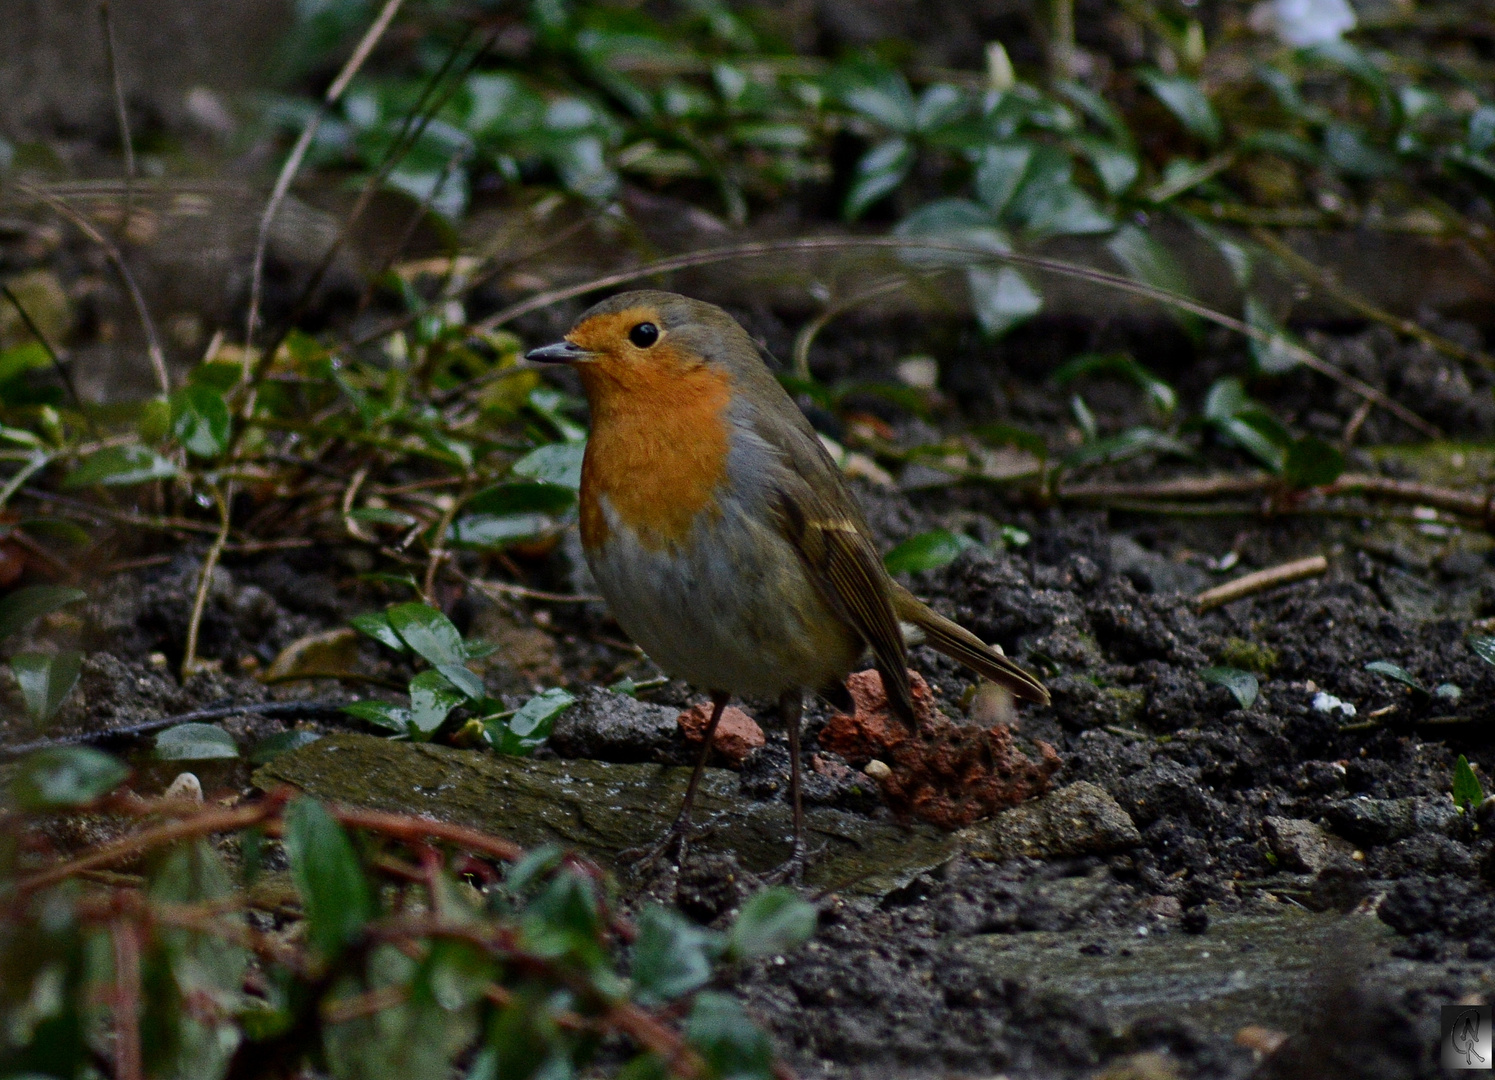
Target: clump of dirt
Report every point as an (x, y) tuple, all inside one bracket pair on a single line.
[(945, 773)]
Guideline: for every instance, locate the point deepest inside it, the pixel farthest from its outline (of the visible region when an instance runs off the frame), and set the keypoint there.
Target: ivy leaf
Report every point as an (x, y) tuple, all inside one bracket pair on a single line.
[(45, 680), (65, 776), (557, 463), (328, 876), (1241, 684), (1002, 298), (671, 955), (1188, 103), (195, 742), (879, 173), (1467, 792), (927, 551), (772, 922), (200, 420), (428, 632), (432, 696), (119, 465), (19, 608)]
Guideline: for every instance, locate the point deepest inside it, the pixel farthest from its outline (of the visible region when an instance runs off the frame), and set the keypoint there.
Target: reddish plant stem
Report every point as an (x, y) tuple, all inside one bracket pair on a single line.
[(126, 935)]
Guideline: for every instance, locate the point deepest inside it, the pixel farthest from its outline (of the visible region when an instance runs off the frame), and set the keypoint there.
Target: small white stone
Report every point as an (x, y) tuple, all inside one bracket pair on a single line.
[(185, 786), (878, 770)]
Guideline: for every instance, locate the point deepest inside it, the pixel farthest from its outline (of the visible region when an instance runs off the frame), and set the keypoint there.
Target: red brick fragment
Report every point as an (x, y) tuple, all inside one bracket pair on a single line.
[(946, 773), (737, 734)]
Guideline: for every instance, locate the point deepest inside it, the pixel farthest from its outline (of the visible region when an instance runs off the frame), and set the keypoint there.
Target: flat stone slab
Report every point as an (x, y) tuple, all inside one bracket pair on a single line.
[(601, 809)]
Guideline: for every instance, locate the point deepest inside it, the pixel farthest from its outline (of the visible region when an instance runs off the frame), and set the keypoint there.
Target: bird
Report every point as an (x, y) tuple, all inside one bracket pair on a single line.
[(723, 536)]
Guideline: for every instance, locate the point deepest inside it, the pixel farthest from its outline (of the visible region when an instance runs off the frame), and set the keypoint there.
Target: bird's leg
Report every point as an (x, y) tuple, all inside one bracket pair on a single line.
[(791, 705), (676, 841)]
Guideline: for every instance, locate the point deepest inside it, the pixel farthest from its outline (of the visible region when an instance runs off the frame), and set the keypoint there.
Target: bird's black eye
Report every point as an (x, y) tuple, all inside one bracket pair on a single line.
[(644, 334)]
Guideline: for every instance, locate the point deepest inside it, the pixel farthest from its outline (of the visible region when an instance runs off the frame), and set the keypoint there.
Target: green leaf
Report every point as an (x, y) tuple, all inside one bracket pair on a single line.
[(1000, 173), (1162, 396), (200, 420), (671, 955), (1116, 166), (557, 463), (1063, 210), (551, 404), (490, 532), (45, 680), (772, 922), (1311, 463), (1188, 103), (428, 632), (530, 725), (65, 776), (510, 512), (733, 1046), (1352, 151), (272, 746), (462, 678), (1132, 442), (376, 625), (328, 876), (1467, 792), (195, 742), (432, 696), (951, 221), (19, 608), (927, 551), (1481, 136), (878, 92), (1002, 298), (1397, 674), (879, 173), (1152, 264), (119, 465), (381, 714), (940, 105), (1483, 646), (1272, 357), (1241, 684)]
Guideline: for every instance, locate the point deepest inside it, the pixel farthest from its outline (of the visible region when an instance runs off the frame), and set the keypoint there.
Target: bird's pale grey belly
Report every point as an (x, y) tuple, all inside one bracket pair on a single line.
[(730, 609)]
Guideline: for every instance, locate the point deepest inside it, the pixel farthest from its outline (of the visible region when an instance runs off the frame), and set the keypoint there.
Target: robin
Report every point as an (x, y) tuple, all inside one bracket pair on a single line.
[(722, 534)]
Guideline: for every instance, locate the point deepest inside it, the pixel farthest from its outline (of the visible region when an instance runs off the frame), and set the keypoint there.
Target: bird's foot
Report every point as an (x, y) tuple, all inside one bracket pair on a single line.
[(792, 870), (671, 848)]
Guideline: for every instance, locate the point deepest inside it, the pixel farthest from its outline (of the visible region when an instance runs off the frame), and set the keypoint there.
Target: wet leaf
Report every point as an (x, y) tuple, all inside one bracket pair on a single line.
[(376, 625), (1467, 792), (557, 463), (272, 745), (878, 92), (200, 420), (65, 776), (1396, 673), (428, 632), (381, 714), (45, 680), (733, 1046), (927, 551), (1187, 102), (1241, 684), (1002, 298), (120, 465), (1311, 463), (195, 742), (1277, 355), (432, 696), (1483, 646), (1151, 263), (999, 173), (18, 608), (328, 876), (772, 922), (671, 955), (530, 725), (1116, 166)]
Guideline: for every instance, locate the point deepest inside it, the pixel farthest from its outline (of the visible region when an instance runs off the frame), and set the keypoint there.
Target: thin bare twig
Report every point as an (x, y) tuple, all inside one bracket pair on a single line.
[(495, 589), (36, 331), (1262, 580), (800, 363), (1327, 282), (126, 935), (1033, 262), (205, 579), (152, 339), (122, 114), (293, 165)]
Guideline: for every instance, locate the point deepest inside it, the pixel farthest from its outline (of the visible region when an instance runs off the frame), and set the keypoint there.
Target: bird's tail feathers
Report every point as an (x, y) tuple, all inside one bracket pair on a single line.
[(958, 643)]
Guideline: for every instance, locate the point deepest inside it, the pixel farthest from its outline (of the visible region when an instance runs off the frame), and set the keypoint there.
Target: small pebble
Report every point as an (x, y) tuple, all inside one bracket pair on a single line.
[(878, 770), (185, 786)]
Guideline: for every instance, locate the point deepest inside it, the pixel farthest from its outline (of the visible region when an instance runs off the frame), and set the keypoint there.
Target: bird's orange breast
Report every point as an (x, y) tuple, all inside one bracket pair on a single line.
[(658, 448)]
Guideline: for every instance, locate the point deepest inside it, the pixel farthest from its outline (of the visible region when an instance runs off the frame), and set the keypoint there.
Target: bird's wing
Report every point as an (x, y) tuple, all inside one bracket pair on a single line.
[(816, 513)]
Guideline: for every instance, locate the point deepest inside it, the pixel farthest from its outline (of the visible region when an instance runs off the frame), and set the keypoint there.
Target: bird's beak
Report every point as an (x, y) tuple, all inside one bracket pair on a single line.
[(562, 352)]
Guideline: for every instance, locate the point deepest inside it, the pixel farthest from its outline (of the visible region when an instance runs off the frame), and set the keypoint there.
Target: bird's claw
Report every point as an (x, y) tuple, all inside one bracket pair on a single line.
[(673, 846)]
